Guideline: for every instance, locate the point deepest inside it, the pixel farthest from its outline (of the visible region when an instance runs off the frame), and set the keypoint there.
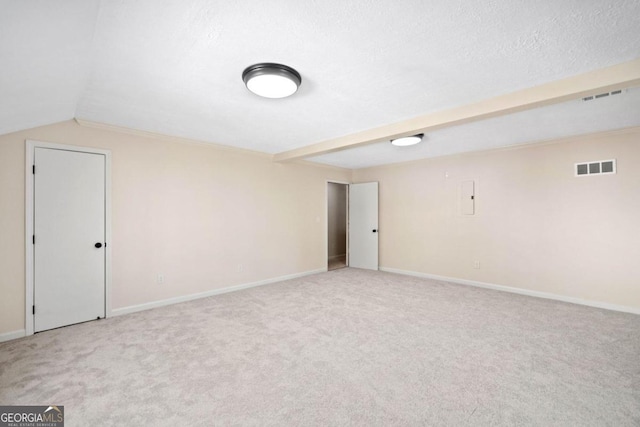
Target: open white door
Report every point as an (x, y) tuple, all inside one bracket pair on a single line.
[(363, 225), (69, 237)]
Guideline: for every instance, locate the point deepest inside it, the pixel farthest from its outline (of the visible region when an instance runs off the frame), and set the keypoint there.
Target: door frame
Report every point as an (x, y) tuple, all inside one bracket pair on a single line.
[(31, 145), (326, 221)]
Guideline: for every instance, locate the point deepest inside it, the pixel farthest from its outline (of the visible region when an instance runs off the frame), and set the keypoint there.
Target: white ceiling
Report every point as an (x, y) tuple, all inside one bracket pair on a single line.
[(541, 124), (174, 67)]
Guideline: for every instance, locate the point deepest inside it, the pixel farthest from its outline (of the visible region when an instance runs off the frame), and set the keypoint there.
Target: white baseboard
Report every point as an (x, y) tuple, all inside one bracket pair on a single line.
[(528, 292), (185, 298), (13, 335)]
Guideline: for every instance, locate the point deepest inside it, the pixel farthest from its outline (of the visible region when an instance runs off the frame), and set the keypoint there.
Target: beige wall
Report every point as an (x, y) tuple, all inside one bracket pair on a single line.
[(337, 218), (195, 213), (536, 227)]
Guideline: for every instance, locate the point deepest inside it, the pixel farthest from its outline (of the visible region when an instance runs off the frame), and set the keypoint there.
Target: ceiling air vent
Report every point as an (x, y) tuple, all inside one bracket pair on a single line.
[(601, 95), (600, 167)]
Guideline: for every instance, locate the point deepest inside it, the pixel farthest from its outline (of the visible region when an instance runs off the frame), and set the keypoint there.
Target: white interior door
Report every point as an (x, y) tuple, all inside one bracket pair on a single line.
[(363, 225), (69, 236)]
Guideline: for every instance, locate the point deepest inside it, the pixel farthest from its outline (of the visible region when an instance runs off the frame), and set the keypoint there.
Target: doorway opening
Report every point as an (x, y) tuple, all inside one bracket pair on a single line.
[(337, 225)]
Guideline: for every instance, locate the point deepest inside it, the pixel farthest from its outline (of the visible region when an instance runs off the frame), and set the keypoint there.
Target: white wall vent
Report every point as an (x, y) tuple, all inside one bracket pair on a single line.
[(600, 167), (601, 95)]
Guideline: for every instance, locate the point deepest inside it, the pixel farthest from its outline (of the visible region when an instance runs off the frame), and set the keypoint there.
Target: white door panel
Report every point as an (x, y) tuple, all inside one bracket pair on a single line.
[(69, 219), (363, 225)]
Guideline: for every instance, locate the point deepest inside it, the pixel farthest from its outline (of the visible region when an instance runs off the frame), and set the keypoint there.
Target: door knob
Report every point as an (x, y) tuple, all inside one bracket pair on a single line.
[(98, 245)]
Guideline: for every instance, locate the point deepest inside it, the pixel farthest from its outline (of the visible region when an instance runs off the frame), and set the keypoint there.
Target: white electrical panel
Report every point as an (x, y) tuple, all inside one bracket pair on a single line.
[(467, 198)]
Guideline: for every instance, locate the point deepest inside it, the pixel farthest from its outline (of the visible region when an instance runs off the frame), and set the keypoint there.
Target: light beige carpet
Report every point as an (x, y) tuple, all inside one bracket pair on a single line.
[(347, 347)]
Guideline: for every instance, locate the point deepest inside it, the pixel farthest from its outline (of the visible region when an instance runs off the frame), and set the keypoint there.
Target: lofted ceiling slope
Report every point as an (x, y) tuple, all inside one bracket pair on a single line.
[(174, 67), (45, 49)]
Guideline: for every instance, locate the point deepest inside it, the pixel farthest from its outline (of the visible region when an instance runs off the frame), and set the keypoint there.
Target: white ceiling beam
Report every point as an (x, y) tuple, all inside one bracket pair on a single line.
[(608, 79)]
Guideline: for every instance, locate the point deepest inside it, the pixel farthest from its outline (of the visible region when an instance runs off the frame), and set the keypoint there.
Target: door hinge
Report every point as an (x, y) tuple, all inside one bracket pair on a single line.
[(33, 169), (34, 239), (34, 309)]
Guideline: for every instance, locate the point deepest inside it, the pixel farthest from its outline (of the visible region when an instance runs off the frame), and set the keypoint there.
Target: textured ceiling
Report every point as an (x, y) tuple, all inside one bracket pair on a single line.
[(45, 49), (174, 67), (541, 124)]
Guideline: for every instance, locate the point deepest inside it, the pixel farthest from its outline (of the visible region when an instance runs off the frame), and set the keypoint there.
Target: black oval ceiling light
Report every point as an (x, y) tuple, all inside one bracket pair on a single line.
[(271, 80), (405, 141)]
